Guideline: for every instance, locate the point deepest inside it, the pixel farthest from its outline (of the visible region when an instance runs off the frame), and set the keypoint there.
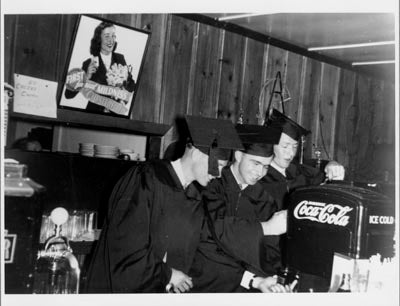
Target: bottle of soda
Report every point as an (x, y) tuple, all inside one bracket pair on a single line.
[(283, 276), (288, 276)]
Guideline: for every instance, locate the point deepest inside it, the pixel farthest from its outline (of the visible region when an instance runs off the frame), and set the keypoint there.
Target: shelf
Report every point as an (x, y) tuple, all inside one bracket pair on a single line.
[(96, 121)]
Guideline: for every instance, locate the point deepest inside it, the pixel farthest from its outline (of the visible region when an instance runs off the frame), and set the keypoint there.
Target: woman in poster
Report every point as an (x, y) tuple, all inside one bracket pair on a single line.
[(105, 67)]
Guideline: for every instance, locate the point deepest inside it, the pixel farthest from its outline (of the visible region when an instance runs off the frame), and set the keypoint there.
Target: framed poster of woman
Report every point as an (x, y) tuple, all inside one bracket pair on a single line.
[(104, 67)]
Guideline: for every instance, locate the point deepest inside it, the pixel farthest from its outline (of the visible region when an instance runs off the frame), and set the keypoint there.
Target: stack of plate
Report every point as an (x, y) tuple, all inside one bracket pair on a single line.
[(106, 151), (86, 149)]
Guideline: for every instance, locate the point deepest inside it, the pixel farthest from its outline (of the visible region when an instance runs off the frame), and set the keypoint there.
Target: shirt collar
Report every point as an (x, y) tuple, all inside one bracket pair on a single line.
[(177, 165), (277, 168), (105, 55), (241, 186), (106, 59)]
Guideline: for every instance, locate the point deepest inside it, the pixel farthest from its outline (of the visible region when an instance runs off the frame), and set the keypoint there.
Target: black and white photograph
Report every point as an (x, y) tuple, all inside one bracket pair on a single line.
[(202, 154), (102, 78)]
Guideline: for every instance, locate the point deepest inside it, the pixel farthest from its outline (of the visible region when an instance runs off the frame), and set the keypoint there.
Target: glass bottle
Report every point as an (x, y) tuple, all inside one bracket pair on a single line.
[(57, 269), (288, 276)]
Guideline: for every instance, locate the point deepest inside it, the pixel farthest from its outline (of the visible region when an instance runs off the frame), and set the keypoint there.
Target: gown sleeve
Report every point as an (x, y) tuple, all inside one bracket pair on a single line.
[(305, 175), (297, 175), (134, 267), (242, 237), (277, 189)]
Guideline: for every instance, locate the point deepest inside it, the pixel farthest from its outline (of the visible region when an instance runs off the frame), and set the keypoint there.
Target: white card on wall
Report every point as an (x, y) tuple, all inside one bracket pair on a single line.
[(35, 96)]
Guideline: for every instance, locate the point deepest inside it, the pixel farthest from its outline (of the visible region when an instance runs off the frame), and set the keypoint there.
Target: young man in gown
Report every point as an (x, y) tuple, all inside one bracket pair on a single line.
[(155, 217), (241, 217), (285, 174)]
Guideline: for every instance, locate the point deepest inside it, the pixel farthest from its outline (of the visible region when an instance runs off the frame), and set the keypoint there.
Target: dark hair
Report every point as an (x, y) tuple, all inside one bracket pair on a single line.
[(95, 43)]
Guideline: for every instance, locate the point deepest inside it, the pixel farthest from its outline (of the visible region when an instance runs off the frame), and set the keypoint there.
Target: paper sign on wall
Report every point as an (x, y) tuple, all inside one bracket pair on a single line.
[(35, 96)]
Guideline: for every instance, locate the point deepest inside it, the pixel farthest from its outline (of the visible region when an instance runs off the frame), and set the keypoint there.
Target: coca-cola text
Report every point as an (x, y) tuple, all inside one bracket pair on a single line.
[(322, 212)]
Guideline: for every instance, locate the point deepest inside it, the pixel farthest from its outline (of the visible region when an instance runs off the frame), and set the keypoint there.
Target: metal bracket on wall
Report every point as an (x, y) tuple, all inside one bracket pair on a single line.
[(274, 91)]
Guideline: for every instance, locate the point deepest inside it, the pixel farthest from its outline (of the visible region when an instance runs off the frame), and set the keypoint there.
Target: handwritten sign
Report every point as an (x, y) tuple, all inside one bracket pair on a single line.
[(35, 96)]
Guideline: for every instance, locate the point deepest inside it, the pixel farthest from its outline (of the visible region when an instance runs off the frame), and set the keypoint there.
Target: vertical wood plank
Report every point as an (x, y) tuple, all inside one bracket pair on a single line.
[(293, 83), (229, 95), (165, 62), (177, 68), (242, 111), (36, 46), (10, 41), (312, 94), (206, 72), (378, 105), (389, 112), (344, 119), (385, 154), (262, 106), (302, 84), (361, 138), (316, 120), (327, 110), (147, 105), (220, 56), (64, 45), (193, 64), (380, 154), (10, 22), (250, 85), (351, 125)]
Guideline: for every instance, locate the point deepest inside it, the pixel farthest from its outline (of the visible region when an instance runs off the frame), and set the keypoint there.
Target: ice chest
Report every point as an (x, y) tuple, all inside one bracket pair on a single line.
[(354, 221)]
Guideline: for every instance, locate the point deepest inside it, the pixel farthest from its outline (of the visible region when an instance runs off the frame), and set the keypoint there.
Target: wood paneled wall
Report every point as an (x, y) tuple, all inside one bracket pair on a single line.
[(193, 68)]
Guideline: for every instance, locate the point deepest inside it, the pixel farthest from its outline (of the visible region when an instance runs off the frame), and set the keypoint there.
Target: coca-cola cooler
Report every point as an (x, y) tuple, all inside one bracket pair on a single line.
[(322, 220)]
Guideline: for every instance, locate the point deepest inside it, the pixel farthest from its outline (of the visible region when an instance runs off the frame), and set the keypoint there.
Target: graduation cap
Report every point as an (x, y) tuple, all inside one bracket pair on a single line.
[(258, 140), (214, 137), (288, 126)]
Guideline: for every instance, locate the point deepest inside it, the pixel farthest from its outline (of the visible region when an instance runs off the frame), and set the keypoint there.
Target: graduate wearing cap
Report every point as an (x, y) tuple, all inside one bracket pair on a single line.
[(155, 216), (220, 154), (239, 214), (285, 174)]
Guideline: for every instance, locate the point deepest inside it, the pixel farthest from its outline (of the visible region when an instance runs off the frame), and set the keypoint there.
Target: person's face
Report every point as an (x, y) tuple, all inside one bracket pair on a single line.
[(200, 168), (108, 38), (251, 168), (285, 151)]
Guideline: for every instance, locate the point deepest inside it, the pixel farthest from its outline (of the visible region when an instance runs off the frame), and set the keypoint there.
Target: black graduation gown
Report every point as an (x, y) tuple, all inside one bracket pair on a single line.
[(236, 216), (279, 186), (297, 175), (149, 214)]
